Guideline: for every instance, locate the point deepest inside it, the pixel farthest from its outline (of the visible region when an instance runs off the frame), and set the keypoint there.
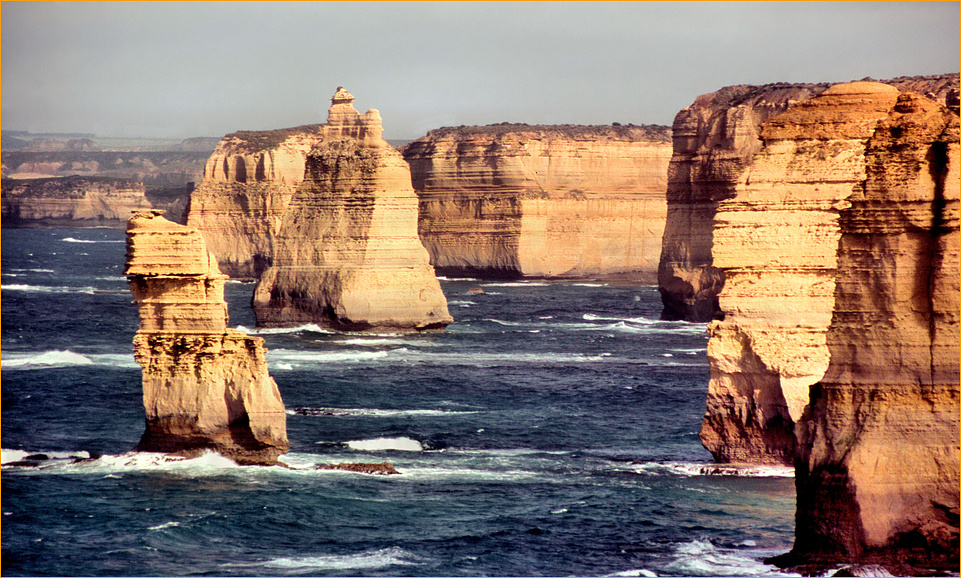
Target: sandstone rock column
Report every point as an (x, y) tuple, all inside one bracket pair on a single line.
[(205, 386), (347, 254), (878, 467), (776, 241)]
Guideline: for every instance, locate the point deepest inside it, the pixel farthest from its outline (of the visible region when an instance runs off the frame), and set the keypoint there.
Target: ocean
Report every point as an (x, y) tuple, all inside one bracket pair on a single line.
[(550, 431)]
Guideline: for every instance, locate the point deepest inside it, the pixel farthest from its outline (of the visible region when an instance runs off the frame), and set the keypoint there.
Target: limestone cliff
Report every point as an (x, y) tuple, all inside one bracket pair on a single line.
[(247, 184), (715, 139), (71, 202), (346, 252), (205, 386), (878, 466), (776, 241), (553, 201)]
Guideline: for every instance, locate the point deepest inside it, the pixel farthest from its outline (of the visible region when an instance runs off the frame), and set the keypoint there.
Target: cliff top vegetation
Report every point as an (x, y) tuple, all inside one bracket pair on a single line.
[(629, 132)]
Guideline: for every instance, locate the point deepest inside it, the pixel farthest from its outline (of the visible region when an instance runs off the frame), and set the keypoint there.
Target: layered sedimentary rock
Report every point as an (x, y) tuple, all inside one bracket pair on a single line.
[(71, 202), (247, 184), (715, 139), (776, 241), (205, 386), (552, 201), (878, 466), (346, 252)]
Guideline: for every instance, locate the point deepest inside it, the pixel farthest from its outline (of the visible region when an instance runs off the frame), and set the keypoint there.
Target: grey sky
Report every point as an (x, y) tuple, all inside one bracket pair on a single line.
[(170, 69)]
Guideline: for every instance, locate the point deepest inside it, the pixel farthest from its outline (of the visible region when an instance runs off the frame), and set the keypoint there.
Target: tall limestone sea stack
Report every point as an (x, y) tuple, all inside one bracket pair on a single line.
[(247, 184), (205, 386), (512, 200), (346, 254), (776, 242), (879, 457)]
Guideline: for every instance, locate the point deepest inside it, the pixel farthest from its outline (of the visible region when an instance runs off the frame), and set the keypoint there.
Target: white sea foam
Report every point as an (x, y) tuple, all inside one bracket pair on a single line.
[(65, 358), (312, 327), (385, 557), (73, 240), (401, 444), (702, 558), (369, 412), (7, 456), (517, 284), (47, 289), (34, 270), (295, 358), (690, 469), (640, 572), (164, 526)]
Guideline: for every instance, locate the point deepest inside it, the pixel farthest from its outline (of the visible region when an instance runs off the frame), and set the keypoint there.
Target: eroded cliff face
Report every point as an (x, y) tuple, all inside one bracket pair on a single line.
[(715, 139), (346, 254), (545, 201), (878, 466), (247, 184), (205, 386), (776, 241), (71, 202)]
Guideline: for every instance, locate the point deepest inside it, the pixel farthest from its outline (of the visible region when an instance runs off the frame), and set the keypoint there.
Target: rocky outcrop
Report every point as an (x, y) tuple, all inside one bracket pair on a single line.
[(346, 252), (71, 202), (205, 386), (247, 184), (776, 241), (878, 466), (547, 201), (715, 139)]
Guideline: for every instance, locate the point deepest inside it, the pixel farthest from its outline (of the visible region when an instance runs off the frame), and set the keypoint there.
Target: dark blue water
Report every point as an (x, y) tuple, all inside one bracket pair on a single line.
[(552, 430)]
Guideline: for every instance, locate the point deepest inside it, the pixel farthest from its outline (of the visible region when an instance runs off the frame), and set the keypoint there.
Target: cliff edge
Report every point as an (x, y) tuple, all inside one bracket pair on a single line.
[(512, 200)]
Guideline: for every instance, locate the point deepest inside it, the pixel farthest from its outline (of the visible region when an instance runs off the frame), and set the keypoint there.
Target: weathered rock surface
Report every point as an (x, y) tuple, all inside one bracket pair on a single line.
[(346, 253), (776, 241), (878, 466), (205, 386), (247, 184), (547, 201), (715, 139), (71, 202)]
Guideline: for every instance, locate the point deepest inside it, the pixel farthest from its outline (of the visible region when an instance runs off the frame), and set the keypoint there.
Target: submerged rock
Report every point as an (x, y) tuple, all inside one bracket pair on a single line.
[(346, 254), (205, 386)]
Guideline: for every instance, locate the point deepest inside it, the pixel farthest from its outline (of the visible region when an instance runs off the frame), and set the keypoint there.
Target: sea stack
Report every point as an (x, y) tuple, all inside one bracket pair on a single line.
[(247, 184), (878, 464), (567, 201), (205, 386), (776, 242), (346, 254)]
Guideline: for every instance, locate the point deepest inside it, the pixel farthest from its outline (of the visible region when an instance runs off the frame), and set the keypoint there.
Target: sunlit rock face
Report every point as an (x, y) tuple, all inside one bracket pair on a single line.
[(205, 386), (346, 253), (715, 139), (248, 183), (545, 201), (878, 461), (776, 242)]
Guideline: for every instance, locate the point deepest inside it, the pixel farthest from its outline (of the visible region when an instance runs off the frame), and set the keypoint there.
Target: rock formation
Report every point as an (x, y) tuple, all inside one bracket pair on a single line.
[(548, 201), (247, 184), (346, 252), (878, 467), (715, 138), (71, 202), (776, 241), (205, 386)]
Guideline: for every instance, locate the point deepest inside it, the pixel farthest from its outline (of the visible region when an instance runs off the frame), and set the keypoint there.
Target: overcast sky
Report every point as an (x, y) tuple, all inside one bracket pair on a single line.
[(170, 69)]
